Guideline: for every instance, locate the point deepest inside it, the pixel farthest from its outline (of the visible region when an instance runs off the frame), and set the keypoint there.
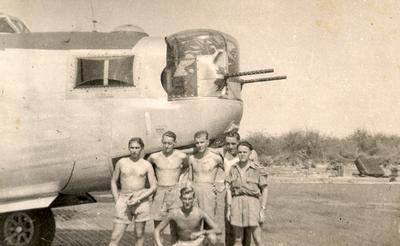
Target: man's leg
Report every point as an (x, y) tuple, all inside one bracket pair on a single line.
[(238, 232), (229, 236), (156, 223), (174, 232), (197, 242), (118, 232), (212, 239), (247, 237), (256, 231), (139, 231)]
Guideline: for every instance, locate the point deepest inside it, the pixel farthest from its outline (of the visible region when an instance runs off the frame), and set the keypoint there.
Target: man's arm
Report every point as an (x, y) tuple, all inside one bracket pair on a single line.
[(185, 161), (264, 198), (220, 162), (210, 222), (190, 178), (189, 151), (254, 157), (151, 159), (228, 181), (228, 201), (192, 151), (159, 229), (183, 177), (218, 151), (114, 180)]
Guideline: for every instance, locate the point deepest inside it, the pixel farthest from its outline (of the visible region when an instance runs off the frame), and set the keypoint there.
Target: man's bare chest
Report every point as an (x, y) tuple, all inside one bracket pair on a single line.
[(170, 162), (133, 169), (204, 164)]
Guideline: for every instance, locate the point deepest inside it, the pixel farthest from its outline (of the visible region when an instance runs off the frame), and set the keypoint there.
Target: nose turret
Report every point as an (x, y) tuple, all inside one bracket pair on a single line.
[(197, 61)]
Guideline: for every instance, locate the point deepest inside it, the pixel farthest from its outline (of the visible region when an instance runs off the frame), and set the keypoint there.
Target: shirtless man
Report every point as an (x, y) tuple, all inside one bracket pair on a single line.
[(203, 167), (229, 153), (169, 164), (133, 202), (188, 220)]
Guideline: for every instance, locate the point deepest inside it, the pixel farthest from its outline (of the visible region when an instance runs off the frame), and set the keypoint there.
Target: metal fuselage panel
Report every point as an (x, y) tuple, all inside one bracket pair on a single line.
[(55, 138)]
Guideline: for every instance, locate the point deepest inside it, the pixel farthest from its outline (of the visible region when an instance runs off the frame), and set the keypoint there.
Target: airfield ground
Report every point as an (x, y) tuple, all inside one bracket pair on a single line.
[(301, 211)]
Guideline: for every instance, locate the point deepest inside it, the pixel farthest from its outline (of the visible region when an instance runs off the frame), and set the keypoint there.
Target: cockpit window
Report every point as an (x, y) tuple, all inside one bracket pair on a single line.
[(5, 26), (104, 72)]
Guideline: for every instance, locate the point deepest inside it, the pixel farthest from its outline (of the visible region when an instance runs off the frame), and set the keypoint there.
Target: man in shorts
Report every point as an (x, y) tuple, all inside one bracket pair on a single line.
[(246, 184), (229, 153), (188, 221), (168, 164), (203, 167), (132, 203)]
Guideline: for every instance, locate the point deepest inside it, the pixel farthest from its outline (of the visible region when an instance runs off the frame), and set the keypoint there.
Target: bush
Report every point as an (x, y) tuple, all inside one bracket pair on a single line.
[(298, 147)]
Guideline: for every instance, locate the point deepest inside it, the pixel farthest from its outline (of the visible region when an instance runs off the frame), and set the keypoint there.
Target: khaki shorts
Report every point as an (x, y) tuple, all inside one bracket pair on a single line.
[(125, 213), (166, 198), (198, 242), (245, 211), (207, 197)]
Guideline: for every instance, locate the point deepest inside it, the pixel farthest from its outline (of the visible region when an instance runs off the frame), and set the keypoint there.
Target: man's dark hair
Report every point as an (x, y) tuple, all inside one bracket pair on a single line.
[(136, 140), (187, 190), (170, 134), (233, 135), (201, 133), (245, 143)]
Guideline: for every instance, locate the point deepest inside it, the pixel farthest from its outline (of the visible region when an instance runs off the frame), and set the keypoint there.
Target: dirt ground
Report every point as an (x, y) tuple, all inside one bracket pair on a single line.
[(297, 214)]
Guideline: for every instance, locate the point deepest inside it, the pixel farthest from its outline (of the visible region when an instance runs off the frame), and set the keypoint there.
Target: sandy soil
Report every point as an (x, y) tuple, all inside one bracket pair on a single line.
[(298, 214)]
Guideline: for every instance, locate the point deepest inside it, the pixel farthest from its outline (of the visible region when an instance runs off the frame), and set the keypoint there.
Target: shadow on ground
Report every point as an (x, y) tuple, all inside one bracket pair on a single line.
[(67, 237)]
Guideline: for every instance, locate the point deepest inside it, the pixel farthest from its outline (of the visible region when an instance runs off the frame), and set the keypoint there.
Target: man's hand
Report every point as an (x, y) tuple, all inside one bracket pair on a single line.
[(219, 188), (195, 235), (262, 215), (133, 201)]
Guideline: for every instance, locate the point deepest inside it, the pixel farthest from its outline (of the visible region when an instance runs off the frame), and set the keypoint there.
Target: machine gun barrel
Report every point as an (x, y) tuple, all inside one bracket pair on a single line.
[(249, 73), (248, 81)]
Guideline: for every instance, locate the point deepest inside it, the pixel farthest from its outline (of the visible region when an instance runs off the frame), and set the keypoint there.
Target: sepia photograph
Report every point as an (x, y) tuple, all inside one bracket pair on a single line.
[(199, 123)]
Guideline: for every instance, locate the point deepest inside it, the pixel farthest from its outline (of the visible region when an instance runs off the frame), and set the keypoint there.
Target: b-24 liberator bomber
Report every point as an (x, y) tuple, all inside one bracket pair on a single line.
[(70, 101)]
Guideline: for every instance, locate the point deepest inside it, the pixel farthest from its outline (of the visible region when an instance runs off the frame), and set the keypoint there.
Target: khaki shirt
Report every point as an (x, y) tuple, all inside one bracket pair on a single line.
[(247, 181)]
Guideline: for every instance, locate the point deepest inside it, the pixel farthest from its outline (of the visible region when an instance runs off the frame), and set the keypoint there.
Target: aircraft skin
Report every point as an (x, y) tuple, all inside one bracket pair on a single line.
[(57, 138), (70, 102)]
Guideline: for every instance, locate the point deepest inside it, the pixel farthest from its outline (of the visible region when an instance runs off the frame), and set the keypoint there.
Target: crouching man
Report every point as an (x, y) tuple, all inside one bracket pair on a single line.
[(188, 221)]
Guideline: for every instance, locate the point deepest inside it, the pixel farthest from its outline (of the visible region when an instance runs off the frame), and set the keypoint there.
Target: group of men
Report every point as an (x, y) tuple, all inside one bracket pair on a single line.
[(170, 199)]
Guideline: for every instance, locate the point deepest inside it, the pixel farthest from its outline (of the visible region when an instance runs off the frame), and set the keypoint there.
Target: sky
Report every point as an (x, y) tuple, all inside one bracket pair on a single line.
[(342, 58)]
